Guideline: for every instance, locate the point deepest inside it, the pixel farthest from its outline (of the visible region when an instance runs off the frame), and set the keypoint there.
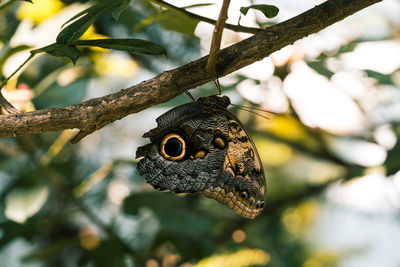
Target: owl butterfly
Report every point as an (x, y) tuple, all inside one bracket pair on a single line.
[(202, 147)]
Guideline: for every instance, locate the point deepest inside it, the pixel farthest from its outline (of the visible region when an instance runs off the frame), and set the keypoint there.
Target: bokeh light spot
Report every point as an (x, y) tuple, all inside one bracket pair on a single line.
[(152, 263), (89, 238), (238, 236)]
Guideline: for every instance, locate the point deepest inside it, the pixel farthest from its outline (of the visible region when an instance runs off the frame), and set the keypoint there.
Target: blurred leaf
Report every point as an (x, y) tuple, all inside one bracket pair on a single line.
[(268, 10), (184, 219), (392, 163), (320, 67), (129, 45), (60, 50), (108, 253), (172, 20), (12, 230), (43, 253), (120, 8), (381, 78), (24, 202), (6, 3), (57, 95)]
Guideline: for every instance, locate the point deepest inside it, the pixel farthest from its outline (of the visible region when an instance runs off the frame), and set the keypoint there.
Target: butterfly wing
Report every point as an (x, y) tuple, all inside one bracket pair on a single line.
[(191, 173), (202, 147), (245, 191)]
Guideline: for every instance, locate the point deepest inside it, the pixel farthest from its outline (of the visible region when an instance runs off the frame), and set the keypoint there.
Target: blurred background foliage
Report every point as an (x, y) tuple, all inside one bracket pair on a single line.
[(331, 153)]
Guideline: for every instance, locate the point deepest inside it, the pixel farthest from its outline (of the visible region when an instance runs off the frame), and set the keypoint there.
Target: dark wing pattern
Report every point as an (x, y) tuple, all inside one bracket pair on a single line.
[(202, 147)]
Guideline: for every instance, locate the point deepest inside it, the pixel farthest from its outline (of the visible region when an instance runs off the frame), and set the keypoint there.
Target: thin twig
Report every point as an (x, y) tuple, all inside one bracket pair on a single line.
[(8, 107), (217, 35), (236, 28), (3, 102)]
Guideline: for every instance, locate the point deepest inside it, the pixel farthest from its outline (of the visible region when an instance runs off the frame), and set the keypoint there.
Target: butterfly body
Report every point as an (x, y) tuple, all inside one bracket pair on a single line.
[(202, 147)]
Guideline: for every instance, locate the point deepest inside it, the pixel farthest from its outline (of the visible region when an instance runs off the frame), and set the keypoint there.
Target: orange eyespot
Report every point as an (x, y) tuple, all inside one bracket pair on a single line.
[(173, 147), (200, 154), (219, 142)]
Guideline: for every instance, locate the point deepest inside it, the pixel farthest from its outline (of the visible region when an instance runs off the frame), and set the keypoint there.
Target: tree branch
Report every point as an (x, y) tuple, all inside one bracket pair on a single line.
[(93, 114)]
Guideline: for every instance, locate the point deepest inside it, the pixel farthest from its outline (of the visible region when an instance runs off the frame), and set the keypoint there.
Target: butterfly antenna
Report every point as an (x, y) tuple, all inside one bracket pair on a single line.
[(249, 109), (253, 108), (190, 96), (216, 81)]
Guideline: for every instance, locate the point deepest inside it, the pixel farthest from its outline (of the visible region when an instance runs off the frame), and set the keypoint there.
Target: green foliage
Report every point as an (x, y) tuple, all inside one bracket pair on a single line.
[(128, 45), (381, 78), (268, 10), (172, 20), (60, 50), (83, 20)]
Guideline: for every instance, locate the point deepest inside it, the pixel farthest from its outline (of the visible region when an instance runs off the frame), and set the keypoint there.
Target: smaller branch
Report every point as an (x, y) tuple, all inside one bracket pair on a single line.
[(81, 134), (217, 36), (19, 68), (8, 107), (3, 102), (236, 28)]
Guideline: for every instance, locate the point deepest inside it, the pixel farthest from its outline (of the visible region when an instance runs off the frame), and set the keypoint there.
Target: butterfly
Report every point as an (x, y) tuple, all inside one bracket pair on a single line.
[(202, 147)]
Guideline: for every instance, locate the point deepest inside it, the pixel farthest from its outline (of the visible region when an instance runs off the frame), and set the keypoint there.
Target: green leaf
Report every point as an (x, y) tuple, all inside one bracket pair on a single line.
[(60, 50), (70, 52), (120, 8), (5, 4), (24, 202), (380, 77), (319, 65), (50, 250), (392, 163), (76, 29), (129, 45), (83, 20), (268, 10)]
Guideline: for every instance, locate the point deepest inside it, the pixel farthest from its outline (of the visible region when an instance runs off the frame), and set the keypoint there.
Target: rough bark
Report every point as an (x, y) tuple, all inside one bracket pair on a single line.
[(93, 114)]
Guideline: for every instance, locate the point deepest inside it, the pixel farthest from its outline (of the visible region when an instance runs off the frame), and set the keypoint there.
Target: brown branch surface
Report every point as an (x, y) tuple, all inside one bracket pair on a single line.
[(93, 114)]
